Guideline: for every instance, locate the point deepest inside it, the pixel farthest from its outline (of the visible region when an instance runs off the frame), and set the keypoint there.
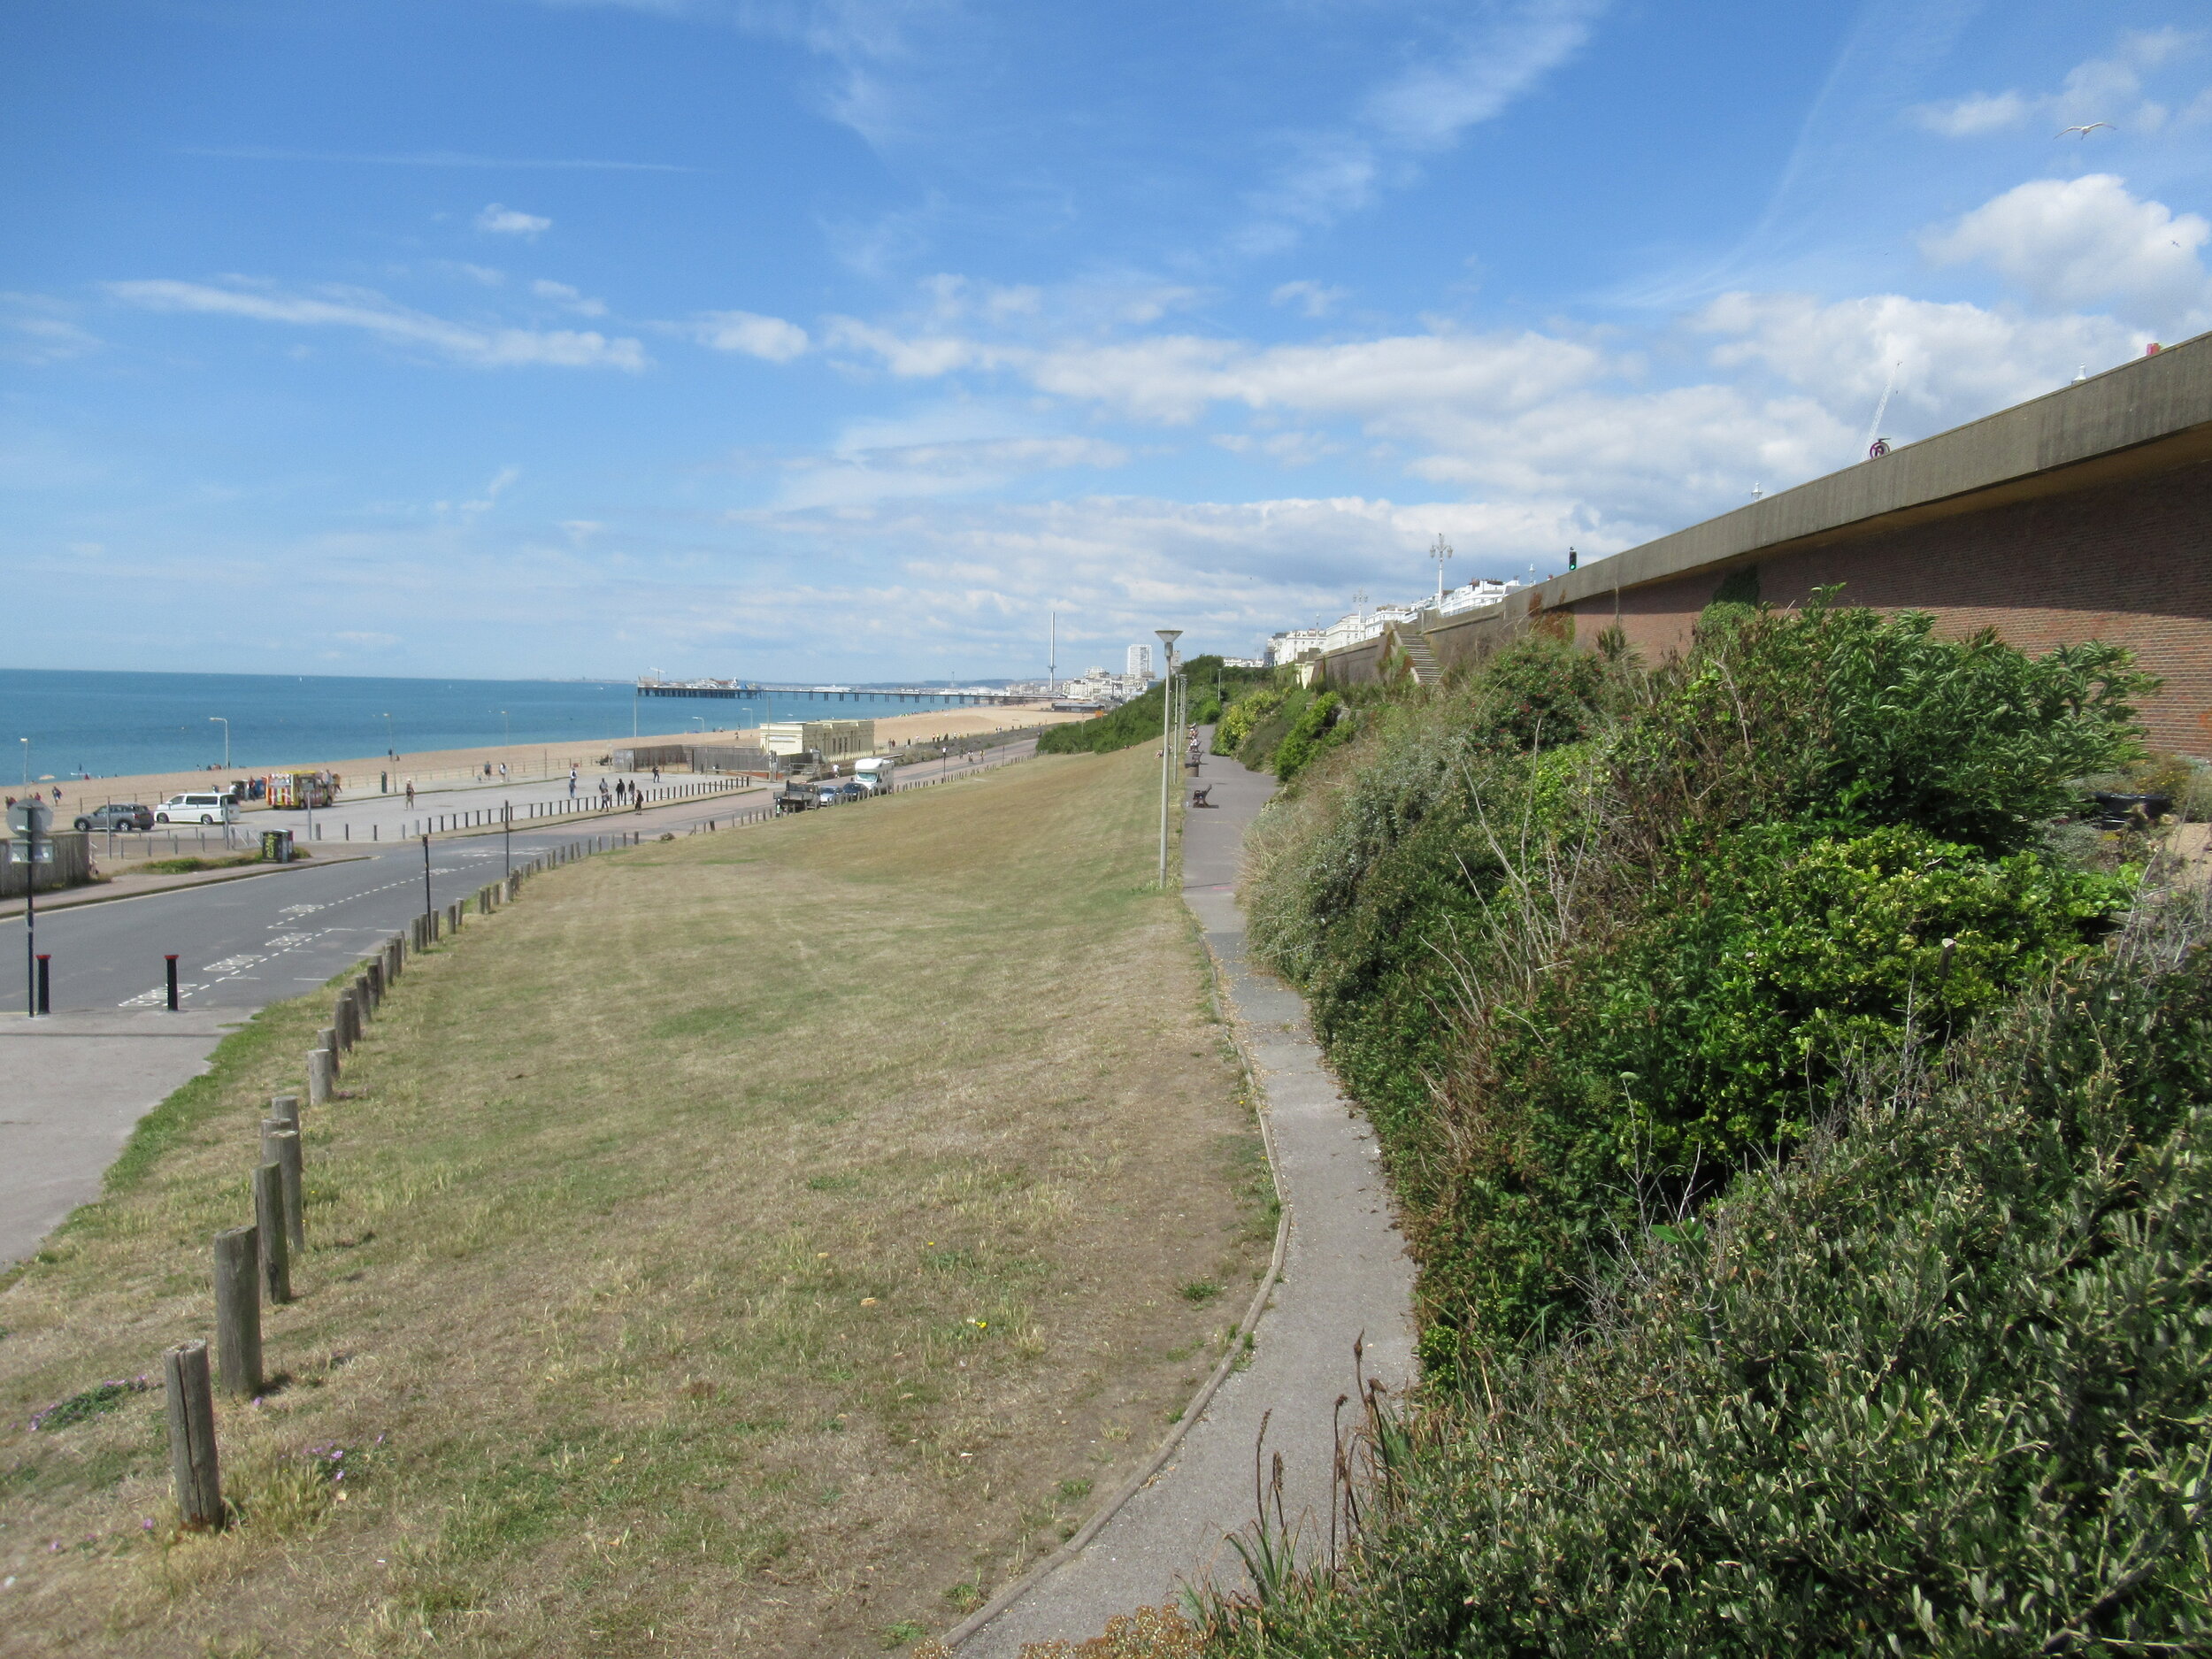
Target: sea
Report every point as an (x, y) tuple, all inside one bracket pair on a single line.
[(92, 723)]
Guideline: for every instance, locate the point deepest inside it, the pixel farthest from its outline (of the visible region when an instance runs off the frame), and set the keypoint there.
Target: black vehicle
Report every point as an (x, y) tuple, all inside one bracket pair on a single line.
[(117, 815)]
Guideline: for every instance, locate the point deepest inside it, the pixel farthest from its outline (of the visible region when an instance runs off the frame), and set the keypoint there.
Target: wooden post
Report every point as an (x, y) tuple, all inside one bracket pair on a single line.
[(280, 1146), (364, 1002), (192, 1464), (318, 1077), (326, 1040), (238, 1310), (268, 1220), (286, 1107), (374, 978)]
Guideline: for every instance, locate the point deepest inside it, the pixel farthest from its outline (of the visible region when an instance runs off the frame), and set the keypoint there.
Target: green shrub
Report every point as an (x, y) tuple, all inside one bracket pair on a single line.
[(1580, 936), (1939, 1384), (1242, 714), (1715, 1032), (1316, 723)]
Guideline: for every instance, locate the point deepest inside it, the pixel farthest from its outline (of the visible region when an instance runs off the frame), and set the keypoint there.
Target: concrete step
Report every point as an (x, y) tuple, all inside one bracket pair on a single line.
[(1420, 657)]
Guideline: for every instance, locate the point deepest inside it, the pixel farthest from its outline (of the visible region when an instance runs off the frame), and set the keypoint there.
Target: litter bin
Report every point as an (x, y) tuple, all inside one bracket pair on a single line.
[(276, 847)]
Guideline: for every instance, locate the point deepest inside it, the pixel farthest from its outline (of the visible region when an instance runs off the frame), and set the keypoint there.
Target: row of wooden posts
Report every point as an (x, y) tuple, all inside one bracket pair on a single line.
[(254, 1264)]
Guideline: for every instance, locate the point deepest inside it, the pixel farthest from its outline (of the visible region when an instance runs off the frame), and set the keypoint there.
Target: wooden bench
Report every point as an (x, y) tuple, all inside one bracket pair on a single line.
[(1198, 796)]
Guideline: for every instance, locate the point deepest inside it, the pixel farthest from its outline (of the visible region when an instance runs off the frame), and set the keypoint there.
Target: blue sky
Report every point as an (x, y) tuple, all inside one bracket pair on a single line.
[(848, 338)]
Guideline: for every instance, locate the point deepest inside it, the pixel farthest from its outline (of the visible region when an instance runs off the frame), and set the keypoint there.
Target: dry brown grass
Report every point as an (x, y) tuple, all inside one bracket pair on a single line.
[(762, 1243)]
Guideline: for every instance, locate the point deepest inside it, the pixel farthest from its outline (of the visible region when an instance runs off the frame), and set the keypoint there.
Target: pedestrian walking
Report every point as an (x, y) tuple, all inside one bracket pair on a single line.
[(572, 783), (411, 794)]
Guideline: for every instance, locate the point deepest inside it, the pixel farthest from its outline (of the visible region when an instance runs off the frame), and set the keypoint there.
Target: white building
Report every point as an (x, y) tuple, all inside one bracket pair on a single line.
[(1096, 684), (831, 740), (1139, 662), (1355, 627)]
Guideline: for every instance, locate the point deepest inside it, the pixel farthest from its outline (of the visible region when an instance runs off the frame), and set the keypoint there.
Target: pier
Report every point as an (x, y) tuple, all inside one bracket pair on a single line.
[(942, 697)]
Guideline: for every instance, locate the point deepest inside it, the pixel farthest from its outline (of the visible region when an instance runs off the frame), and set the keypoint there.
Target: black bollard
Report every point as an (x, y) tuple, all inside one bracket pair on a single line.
[(45, 984), (172, 960)]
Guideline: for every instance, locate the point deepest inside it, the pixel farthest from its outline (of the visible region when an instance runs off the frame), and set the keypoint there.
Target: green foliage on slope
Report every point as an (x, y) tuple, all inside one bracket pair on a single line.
[(1810, 1185), (1937, 1384)]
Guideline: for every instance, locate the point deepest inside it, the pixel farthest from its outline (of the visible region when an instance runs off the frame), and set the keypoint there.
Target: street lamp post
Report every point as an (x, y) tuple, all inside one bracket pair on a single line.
[(217, 720), (26, 761), (1441, 552), (1168, 636)]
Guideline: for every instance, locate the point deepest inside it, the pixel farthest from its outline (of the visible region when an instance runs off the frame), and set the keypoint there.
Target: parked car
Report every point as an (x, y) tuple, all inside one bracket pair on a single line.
[(117, 815), (197, 807)]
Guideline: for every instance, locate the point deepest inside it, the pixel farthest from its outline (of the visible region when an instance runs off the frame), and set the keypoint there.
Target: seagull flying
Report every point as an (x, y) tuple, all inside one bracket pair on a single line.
[(2083, 131)]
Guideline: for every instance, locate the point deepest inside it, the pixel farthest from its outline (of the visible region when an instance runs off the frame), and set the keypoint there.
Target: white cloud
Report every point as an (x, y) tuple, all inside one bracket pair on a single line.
[(36, 329), (2085, 240), (356, 637), (1953, 362), (482, 345), (1314, 299), (2108, 89), (1474, 79), (755, 336), (1975, 114), (509, 221), (966, 466), (568, 298), (1286, 448), (501, 482)]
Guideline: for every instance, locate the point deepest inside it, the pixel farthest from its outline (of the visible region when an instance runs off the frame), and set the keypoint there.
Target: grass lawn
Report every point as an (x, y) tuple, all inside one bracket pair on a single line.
[(765, 1241)]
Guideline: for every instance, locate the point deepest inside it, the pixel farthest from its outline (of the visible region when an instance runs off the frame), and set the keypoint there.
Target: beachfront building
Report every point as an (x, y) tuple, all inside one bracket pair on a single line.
[(831, 740), (1096, 684), (1140, 668)]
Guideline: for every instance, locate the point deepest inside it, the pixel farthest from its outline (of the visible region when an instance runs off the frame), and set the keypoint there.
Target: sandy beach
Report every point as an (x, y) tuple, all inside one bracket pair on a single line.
[(459, 768)]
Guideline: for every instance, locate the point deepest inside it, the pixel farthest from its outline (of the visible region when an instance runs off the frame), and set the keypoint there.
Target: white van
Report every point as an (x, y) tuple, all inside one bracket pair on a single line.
[(197, 807), (876, 771)]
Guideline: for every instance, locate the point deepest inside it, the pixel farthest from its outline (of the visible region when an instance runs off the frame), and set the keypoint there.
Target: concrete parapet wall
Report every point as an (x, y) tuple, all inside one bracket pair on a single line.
[(2084, 514)]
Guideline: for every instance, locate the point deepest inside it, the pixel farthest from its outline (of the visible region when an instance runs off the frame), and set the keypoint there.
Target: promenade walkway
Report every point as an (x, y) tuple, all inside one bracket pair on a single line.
[(1346, 1274)]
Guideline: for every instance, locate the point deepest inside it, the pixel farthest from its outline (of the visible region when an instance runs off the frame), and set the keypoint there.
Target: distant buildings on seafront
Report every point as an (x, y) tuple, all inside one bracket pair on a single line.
[(1296, 644)]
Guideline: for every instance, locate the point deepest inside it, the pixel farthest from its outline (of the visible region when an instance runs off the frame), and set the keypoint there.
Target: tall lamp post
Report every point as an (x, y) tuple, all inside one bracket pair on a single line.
[(26, 762), (1168, 636)]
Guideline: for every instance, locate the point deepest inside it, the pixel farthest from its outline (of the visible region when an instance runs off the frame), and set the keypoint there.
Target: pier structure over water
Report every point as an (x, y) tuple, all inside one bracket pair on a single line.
[(744, 690)]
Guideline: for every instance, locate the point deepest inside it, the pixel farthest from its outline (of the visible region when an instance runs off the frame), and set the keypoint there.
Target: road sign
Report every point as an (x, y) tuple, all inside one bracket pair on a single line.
[(25, 852), (26, 819)]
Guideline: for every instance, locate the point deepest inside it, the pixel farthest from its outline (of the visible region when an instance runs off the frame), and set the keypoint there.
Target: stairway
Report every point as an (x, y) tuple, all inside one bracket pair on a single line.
[(1420, 657)]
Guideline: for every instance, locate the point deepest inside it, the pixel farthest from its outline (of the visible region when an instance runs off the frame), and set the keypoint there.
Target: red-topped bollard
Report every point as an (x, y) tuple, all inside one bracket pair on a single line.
[(172, 960)]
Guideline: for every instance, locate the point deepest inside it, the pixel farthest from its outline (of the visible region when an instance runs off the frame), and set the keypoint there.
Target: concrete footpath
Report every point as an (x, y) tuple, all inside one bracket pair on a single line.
[(1346, 1274), (77, 1084)]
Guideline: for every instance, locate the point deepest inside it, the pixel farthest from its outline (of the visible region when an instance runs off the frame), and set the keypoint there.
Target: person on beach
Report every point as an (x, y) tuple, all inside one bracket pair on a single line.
[(411, 794), (572, 783)]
